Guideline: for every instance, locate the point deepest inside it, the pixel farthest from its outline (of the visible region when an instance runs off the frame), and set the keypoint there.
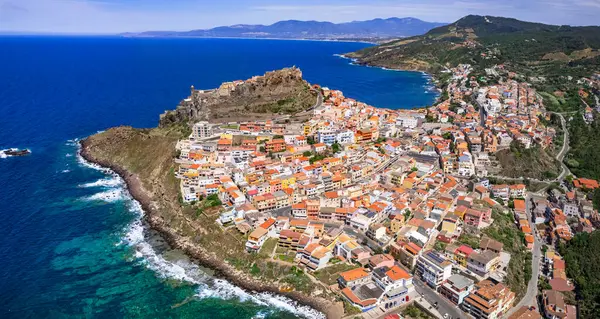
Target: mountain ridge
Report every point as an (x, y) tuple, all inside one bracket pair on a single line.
[(484, 41), (296, 29)]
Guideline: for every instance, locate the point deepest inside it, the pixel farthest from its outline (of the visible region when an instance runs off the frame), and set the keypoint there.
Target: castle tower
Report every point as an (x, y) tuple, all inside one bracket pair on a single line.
[(192, 90)]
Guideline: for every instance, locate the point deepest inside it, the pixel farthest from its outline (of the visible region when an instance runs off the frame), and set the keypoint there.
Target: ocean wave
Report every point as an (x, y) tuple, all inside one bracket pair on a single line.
[(110, 196), (183, 269), (222, 289), (64, 171), (113, 181)]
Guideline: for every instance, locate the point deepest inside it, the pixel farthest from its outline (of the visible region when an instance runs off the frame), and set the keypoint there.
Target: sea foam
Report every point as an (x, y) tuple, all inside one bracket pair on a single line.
[(181, 269)]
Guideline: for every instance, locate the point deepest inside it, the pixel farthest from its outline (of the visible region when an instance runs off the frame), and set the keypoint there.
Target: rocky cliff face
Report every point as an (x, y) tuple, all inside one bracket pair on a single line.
[(277, 92)]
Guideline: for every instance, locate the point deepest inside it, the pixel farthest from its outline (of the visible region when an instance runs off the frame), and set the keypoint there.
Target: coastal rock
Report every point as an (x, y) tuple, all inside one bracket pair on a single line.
[(144, 159), (278, 92)]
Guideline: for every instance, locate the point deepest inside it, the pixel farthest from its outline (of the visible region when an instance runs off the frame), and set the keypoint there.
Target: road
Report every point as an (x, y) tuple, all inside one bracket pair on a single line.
[(444, 306), (530, 298), (563, 152)]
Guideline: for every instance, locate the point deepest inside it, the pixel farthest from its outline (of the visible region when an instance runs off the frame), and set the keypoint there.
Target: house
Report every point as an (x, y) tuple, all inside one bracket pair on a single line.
[(389, 288), (314, 256), (461, 254), (381, 260), (406, 253), (555, 306), (456, 288), (353, 278), (517, 190), (478, 217), (489, 300), (526, 313), (483, 263), (256, 239), (585, 183), (433, 268), (487, 243), (349, 249)]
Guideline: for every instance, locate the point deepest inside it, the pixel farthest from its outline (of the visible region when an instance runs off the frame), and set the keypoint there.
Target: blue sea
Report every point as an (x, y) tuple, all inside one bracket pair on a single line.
[(73, 244)]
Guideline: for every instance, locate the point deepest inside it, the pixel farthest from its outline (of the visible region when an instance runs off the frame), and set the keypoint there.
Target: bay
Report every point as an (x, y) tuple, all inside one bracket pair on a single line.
[(72, 242)]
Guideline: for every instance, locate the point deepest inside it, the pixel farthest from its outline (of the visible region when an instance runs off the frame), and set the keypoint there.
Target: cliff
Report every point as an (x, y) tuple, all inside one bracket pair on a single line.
[(144, 158), (278, 92)]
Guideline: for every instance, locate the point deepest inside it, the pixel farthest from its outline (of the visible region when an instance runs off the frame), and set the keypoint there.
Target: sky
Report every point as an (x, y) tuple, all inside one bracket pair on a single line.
[(114, 16)]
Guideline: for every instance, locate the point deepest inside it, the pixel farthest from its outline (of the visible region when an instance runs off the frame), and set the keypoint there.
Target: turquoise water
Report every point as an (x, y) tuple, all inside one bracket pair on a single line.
[(72, 242)]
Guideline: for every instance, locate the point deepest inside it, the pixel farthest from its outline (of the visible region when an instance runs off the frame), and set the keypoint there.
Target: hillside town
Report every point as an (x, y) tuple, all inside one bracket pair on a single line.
[(402, 206)]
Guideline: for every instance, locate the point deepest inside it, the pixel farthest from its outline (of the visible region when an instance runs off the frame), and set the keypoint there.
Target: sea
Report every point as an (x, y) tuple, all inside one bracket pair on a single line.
[(72, 244)]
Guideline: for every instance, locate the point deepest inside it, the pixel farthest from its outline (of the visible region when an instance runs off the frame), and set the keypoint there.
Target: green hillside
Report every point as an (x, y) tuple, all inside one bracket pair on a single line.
[(532, 48)]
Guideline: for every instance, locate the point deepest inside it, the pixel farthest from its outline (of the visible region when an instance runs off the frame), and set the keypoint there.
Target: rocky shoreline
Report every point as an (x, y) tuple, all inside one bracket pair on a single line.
[(204, 258)]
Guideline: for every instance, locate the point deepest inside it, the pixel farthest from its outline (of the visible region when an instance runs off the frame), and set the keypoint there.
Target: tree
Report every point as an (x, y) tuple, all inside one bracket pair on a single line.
[(262, 149), (440, 246), (336, 147), (307, 154), (277, 137), (596, 198), (310, 140)]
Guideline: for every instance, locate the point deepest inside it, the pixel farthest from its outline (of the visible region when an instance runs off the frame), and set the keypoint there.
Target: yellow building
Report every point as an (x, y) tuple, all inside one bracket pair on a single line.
[(288, 181)]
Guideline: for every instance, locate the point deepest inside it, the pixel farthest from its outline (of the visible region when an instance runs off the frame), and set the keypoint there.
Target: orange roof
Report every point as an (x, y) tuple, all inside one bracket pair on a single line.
[(354, 299), (529, 238), (396, 273), (354, 274), (519, 204), (266, 225)]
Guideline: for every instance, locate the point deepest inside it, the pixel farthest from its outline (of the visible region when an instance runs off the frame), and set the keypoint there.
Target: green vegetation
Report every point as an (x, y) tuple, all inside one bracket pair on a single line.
[(286, 257), (504, 230), (298, 279), (267, 249), (336, 147), (582, 256), (533, 162), (415, 312), (469, 240), (532, 49), (316, 158), (568, 102), (349, 309), (330, 274), (583, 158), (439, 246), (212, 201)]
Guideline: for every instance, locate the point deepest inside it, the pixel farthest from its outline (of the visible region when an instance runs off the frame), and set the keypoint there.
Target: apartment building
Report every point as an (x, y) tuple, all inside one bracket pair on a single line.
[(433, 268), (489, 300), (456, 288)]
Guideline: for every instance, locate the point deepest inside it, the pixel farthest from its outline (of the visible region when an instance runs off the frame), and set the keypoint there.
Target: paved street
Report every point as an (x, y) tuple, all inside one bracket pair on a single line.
[(444, 306), (530, 298)]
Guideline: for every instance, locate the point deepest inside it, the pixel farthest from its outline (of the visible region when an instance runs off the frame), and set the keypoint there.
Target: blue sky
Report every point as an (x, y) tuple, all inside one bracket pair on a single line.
[(112, 16)]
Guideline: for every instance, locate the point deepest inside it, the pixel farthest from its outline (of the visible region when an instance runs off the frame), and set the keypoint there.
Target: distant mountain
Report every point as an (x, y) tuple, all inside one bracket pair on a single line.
[(483, 41), (294, 29)]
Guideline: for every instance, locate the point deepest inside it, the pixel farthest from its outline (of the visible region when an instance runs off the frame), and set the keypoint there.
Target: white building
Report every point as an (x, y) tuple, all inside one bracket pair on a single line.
[(345, 137), (201, 130), (433, 268)]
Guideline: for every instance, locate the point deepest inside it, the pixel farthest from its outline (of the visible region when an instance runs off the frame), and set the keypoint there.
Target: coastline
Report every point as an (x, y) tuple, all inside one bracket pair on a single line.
[(246, 38), (431, 79), (222, 270)]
